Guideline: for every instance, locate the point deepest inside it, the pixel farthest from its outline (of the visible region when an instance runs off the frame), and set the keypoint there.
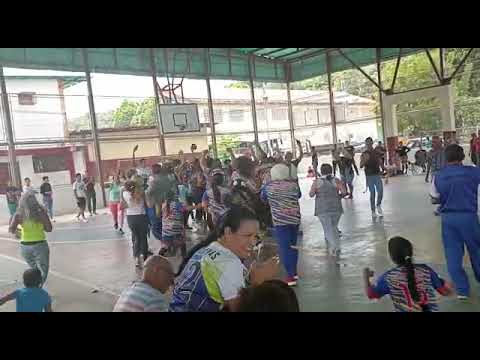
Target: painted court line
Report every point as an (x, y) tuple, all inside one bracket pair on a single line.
[(69, 242), (66, 277)]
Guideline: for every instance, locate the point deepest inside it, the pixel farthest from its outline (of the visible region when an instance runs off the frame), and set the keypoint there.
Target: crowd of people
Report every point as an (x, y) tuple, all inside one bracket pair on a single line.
[(241, 200)]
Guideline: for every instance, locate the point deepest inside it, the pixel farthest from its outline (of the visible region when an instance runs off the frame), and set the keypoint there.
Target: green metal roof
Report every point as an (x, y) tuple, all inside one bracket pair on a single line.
[(67, 80), (268, 64)]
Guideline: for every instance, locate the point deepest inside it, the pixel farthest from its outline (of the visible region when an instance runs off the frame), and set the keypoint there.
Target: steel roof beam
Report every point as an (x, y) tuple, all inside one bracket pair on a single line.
[(359, 68), (308, 56), (293, 53), (440, 79), (254, 50), (273, 52), (459, 65), (442, 62)]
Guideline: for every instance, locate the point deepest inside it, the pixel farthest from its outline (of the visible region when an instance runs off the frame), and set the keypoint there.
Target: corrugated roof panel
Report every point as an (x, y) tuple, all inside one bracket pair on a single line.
[(225, 63)]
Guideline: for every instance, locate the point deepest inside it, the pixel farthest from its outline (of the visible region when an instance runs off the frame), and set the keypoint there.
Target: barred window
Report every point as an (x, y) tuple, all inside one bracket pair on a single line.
[(51, 163)]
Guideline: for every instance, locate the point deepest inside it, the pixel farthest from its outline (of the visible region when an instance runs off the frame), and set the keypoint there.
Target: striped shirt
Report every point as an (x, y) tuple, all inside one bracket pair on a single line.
[(141, 297), (217, 209), (394, 283), (173, 222), (283, 199)]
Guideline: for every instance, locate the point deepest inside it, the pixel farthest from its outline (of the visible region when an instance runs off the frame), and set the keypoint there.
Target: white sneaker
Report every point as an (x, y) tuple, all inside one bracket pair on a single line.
[(374, 214), (85, 220), (462, 297), (379, 211)]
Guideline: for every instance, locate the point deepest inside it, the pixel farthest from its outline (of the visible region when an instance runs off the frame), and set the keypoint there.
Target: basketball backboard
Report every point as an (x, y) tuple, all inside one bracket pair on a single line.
[(179, 118)]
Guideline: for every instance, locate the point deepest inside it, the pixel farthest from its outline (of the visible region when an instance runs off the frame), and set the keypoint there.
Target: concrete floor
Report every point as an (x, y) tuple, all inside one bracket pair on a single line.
[(91, 264)]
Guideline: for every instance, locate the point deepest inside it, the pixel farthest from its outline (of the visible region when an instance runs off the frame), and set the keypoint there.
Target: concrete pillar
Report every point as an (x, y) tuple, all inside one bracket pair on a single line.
[(389, 116), (444, 95)]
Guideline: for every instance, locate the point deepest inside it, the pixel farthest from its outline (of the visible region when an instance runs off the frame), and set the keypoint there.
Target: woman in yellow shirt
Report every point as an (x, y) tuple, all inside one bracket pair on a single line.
[(34, 222)]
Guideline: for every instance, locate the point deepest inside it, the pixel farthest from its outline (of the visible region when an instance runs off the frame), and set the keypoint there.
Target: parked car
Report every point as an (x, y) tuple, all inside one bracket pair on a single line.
[(415, 144), (361, 147)]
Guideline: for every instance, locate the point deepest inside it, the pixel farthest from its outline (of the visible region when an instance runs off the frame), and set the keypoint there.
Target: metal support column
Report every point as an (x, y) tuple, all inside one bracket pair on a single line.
[(93, 123), (333, 119), (212, 118), (161, 138), (380, 93), (288, 69), (7, 118), (252, 100), (442, 64), (211, 114)]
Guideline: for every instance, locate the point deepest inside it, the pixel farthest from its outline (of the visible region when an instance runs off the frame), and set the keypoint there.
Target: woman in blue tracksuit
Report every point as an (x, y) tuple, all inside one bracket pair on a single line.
[(456, 188), (282, 193)]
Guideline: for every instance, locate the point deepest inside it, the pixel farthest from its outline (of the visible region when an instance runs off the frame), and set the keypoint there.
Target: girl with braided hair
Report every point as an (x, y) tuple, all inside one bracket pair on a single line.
[(412, 287)]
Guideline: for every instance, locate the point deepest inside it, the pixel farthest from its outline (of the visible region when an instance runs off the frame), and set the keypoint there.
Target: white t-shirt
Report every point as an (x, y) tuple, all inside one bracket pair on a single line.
[(80, 188), (229, 271), (28, 188), (212, 276), (134, 208)]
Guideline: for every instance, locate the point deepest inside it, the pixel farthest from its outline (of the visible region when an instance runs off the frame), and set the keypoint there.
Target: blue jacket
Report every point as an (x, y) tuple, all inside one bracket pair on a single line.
[(457, 188)]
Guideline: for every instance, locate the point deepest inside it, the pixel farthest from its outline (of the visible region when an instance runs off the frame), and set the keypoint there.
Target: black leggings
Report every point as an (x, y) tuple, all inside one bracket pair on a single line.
[(138, 224)]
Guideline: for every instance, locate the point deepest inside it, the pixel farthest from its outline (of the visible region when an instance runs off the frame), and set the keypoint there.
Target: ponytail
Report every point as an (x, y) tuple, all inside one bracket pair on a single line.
[(412, 285), (401, 252), (231, 219), (210, 239), (217, 181)]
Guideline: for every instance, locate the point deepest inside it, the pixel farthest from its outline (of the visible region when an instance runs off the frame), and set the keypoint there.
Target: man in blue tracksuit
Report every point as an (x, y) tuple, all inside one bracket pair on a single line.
[(456, 187)]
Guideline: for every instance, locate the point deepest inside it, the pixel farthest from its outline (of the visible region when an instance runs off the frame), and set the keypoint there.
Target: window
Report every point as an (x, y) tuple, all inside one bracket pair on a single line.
[(312, 117), (299, 118), (51, 163), (279, 114), (236, 115), (324, 115), (217, 115), (27, 98), (261, 116), (340, 113)]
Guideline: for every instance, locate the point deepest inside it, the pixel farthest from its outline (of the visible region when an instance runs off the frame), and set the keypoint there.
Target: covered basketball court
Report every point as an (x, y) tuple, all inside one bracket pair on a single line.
[(272, 65), (91, 265)]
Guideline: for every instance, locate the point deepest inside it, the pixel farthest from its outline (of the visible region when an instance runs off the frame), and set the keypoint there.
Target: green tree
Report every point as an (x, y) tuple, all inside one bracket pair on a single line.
[(238, 85), (224, 142), (134, 114), (124, 114)]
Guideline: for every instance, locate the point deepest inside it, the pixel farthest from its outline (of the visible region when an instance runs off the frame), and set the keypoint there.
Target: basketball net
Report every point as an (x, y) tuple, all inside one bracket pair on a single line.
[(172, 92)]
